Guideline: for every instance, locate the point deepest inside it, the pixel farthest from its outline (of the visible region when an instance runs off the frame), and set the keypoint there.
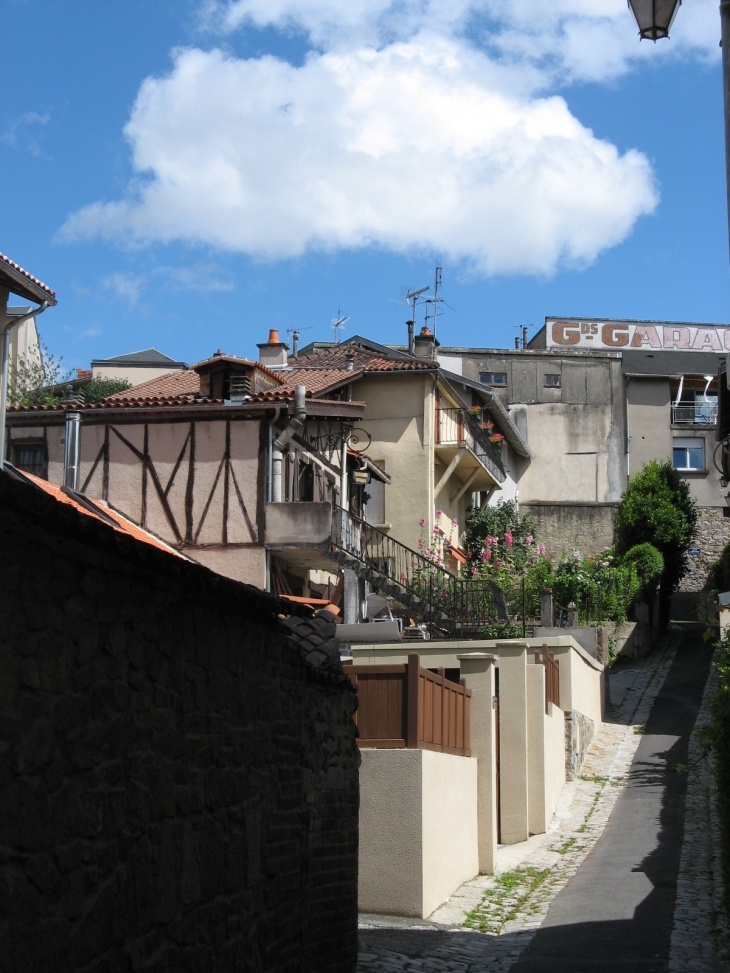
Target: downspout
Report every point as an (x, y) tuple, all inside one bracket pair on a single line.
[(628, 433), (71, 450), (282, 440), (4, 369)]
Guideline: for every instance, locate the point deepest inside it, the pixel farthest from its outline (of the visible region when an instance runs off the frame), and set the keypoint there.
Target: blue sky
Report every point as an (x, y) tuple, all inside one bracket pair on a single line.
[(286, 158)]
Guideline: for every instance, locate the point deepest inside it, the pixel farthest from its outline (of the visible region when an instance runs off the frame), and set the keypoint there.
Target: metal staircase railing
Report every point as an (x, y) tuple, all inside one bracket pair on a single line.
[(446, 603)]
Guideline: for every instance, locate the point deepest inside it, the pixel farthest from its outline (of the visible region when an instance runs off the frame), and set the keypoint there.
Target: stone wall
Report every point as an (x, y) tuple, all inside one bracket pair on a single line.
[(178, 785), (712, 534), (579, 731), (563, 526)]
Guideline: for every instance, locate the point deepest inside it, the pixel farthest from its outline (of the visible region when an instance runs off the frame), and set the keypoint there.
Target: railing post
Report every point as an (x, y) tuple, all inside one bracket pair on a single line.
[(413, 676)]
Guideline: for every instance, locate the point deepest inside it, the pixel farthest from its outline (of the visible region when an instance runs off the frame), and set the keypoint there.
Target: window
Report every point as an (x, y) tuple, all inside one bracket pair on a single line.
[(552, 380), (30, 457), (374, 508), (688, 454), (493, 378)]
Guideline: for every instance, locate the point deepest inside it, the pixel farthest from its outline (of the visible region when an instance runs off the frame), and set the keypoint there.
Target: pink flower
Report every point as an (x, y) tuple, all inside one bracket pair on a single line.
[(508, 537), (420, 543), (455, 522), (439, 513), (529, 539), (474, 571), (422, 522)]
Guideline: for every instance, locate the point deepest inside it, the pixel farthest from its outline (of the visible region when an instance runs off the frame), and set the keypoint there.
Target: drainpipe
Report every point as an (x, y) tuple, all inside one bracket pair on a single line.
[(71, 450), (4, 369), (282, 440)]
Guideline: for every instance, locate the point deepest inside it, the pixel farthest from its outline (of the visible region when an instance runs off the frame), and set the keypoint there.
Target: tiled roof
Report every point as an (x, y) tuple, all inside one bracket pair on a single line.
[(121, 523), (182, 383), (364, 359), (24, 273)]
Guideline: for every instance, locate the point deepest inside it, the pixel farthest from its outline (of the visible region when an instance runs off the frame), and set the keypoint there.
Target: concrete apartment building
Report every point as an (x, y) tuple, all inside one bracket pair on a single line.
[(597, 399)]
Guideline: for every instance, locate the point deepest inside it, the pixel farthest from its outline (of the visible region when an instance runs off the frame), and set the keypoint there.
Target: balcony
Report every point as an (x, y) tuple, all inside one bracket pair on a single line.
[(695, 414), (459, 438)]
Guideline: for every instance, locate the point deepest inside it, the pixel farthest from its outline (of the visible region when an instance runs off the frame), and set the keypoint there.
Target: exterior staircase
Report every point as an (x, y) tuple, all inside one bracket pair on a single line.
[(449, 605)]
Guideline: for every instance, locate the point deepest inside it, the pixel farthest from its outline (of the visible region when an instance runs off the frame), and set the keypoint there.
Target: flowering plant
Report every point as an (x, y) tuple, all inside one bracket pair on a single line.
[(475, 411), (496, 437)]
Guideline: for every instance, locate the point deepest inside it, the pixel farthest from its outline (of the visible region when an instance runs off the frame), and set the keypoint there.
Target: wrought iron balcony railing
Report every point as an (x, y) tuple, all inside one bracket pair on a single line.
[(455, 427)]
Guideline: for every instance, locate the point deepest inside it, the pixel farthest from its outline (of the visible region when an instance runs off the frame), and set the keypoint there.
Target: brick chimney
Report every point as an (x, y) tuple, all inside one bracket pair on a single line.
[(272, 353)]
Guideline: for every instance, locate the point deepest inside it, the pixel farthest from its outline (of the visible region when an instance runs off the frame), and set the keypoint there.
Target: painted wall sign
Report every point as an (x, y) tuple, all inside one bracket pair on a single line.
[(636, 335)]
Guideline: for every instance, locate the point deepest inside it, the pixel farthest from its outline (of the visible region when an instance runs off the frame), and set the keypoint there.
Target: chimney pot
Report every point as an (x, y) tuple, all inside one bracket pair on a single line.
[(272, 353), (425, 344)]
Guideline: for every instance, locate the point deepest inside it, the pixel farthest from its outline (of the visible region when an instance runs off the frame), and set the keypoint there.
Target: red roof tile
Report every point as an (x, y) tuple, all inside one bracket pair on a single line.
[(34, 280), (181, 383), (364, 359)]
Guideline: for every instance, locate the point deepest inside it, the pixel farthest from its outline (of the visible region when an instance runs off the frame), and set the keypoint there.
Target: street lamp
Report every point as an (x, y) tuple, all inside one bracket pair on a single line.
[(654, 17)]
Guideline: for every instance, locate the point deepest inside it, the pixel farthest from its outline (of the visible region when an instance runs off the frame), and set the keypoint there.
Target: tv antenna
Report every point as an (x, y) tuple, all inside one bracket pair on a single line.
[(436, 300), (338, 323), (412, 298)]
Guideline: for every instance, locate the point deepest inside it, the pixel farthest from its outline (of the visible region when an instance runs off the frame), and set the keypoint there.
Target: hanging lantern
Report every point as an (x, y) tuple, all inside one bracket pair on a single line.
[(654, 17)]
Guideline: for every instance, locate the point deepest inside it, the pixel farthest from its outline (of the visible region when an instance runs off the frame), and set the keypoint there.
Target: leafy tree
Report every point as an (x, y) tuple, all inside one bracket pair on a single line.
[(99, 388), (656, 508), (33, 380)]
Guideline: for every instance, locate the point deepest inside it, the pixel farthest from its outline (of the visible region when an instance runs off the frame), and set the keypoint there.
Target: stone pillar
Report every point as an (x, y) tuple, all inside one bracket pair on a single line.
[(536, 811), (547, 609), (513, 741), (351, 598), (478, 668)]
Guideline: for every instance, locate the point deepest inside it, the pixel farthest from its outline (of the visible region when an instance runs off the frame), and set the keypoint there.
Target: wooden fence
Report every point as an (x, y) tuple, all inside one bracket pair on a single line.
[(552, 676), (407, 706)]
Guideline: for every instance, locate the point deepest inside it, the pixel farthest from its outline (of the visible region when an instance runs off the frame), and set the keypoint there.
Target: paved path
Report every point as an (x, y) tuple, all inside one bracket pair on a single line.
[(616, 913), (607, 867)]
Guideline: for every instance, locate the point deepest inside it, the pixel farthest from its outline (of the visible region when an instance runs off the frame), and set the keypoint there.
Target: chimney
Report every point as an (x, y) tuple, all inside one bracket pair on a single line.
[(425, 344), (272, 353), (411, 340), (295, 344)]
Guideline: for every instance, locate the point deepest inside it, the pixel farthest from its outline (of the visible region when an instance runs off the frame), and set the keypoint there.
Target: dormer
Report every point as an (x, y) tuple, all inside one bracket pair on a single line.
[(233, 379)]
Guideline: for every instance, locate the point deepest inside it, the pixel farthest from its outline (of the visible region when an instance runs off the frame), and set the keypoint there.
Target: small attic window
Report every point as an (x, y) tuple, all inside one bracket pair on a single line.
[(552, 380)]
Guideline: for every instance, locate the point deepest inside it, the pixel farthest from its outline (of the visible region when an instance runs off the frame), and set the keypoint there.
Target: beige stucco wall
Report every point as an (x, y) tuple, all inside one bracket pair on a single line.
[(649, 421), (418, 830), (401, 430), (134, 375), (546, 752), (513, 742), (582, 680)]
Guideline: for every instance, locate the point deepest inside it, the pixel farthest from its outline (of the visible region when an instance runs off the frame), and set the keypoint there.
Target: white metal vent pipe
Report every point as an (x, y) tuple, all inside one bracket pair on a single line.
[(71, 450)]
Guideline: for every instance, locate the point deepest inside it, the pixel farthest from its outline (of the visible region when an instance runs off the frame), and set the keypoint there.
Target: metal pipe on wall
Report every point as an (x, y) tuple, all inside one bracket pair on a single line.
[(4, 367)]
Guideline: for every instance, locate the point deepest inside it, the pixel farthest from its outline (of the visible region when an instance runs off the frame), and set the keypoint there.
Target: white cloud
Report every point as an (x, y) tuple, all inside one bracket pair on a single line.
[(203, 278), (22, 131), (423, 145), (125, 286)]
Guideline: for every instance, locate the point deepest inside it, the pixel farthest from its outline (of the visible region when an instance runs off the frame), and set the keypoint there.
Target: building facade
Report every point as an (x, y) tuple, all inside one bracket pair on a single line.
[(598, 400)]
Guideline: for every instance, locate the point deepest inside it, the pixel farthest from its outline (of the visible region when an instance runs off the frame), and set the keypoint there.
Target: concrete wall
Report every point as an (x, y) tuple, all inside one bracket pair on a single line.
[(418, 829), (576, 431), (179, 787)]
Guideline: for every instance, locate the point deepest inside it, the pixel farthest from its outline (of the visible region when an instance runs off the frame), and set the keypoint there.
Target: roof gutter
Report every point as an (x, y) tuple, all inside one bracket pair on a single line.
[(5, 339)]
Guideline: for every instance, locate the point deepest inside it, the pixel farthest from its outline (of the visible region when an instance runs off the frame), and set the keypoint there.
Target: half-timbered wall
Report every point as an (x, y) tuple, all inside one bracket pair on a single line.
[(194, 483)]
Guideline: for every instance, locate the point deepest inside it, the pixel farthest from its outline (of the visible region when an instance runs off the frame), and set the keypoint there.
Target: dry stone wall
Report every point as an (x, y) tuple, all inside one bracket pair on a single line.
[(178, 787), (712, 534)]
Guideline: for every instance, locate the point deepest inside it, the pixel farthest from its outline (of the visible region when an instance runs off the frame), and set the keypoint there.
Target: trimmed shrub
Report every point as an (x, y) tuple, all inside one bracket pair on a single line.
[(649, 564)]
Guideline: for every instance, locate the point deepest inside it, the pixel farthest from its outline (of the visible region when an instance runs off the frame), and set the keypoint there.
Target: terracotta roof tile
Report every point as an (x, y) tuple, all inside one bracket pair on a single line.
[(364, 359), (178, 383), (34, 280)]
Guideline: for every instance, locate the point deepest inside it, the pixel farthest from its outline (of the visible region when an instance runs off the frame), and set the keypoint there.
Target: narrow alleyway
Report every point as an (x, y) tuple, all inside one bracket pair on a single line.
[(612, 908), (616, 912)]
